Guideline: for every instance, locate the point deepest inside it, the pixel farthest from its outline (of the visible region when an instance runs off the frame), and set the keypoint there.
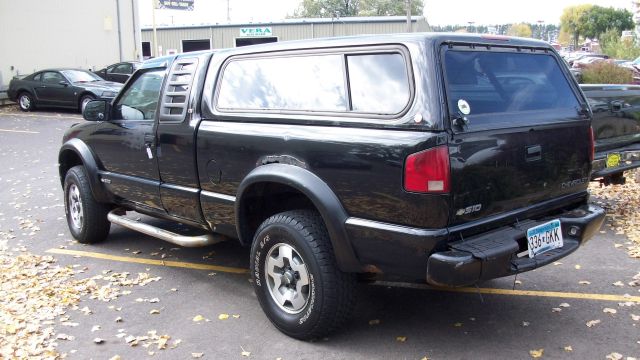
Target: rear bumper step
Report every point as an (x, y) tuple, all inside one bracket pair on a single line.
[(495, 254), (187, 241)]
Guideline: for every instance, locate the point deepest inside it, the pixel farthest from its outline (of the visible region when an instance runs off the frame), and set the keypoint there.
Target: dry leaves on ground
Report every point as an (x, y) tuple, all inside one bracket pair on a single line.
[(34, 292), (622, 203)]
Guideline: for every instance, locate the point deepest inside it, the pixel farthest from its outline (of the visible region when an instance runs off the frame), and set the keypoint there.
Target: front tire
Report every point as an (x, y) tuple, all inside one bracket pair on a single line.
[(86, 218), (84, 101), (26, 102), (296, 278)]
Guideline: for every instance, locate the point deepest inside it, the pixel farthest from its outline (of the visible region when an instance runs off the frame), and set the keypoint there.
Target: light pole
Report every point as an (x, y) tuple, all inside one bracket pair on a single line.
[(540, 23)]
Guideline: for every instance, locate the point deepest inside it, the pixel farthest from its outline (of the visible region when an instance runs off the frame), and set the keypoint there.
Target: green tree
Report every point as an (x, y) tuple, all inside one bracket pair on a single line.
[(597, 20), (389, 7), (571, 21), (521, 30), (616, 47), (328, 8)]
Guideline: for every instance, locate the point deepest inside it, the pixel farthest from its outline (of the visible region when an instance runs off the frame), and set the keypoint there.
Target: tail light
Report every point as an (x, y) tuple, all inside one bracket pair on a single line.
[(428, 171), (592, 152)]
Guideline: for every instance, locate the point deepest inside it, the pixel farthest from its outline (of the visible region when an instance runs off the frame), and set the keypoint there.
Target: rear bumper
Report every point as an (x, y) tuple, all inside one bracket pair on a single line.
[(495, 253)]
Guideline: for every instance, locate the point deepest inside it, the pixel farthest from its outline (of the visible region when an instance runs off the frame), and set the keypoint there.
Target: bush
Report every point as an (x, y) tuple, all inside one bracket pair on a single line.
[(606, 73)]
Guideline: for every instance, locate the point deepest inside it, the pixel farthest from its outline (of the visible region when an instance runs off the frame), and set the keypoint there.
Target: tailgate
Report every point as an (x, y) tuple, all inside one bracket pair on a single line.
[(520, 133)]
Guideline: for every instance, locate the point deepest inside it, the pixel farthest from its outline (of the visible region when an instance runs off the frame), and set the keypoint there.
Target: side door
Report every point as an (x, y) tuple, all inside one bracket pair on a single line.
[(51, 90), (126, 144)]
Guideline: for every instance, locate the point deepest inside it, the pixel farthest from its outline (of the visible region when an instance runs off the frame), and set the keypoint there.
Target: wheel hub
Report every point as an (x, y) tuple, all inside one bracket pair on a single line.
[(287, 278), (74, 203), (25, 102)]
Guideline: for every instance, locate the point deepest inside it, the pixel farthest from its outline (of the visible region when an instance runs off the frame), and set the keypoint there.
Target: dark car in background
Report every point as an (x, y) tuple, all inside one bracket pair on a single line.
[(61, 88), (616, 128), (120, 72)]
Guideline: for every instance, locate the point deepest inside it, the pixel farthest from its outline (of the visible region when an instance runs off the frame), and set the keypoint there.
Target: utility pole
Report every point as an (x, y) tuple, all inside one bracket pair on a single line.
[(155, 35), (408, 15)]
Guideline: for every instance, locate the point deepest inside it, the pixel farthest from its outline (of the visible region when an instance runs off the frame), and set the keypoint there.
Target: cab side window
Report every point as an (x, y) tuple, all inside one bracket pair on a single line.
[(140, 100), (51, 77)]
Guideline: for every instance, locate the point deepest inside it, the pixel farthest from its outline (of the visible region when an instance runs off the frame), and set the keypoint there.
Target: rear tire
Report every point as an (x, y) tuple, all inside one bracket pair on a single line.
[(26, 102), (296, 278), (86, 218)]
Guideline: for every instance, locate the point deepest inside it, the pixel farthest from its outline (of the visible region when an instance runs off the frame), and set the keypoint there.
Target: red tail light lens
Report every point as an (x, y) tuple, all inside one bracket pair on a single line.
[(428, 171), (592, 143)]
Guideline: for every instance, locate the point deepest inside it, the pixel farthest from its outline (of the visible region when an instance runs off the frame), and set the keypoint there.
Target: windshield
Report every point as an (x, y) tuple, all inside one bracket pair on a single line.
[(80, 76)]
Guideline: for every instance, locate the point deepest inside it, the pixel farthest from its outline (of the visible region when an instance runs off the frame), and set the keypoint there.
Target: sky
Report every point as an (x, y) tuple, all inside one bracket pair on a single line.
[(437, 12)]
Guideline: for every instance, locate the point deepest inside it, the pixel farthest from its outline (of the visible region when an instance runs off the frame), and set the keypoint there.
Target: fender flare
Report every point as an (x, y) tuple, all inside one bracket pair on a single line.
[(322, 197), (90, 164)]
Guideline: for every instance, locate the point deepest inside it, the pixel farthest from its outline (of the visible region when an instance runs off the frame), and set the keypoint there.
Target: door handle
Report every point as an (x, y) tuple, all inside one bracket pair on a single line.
[(533, 153)]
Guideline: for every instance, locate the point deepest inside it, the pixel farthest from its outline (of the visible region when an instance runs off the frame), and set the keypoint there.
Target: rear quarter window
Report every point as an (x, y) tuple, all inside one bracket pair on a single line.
[(480, 82)]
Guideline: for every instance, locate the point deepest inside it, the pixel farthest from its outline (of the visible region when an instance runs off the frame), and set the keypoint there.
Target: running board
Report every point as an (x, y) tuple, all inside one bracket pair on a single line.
[(182, 240)]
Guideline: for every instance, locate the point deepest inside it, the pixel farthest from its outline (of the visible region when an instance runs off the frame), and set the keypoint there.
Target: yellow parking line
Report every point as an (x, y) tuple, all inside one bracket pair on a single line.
[(535, 293), (234, 270), (128, 259), (20, 131)]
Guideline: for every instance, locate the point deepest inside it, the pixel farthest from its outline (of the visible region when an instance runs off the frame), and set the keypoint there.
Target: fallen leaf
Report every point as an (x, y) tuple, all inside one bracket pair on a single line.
[(618, 283), (236, 316), (244, 352), (130, 339), (614, 356), (223, 316), (95, 328), (592, 323), (635, 317), (119, 319), (374, 322), (564, 305), (98, 340), (617, 245), (584, 282), (518, 282), (401, 338), (556, 310), (525, 323), (154, 300), (557, 263), (578, 267), (115, 357), (197, 355), (154, 312), (609, 311), (458, 324), (64, 337), (198, 318), (536, 353), (568, 348)]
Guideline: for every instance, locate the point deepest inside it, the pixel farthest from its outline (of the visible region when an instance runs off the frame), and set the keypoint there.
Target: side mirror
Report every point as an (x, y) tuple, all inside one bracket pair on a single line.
[(63, 83), (97, 110)]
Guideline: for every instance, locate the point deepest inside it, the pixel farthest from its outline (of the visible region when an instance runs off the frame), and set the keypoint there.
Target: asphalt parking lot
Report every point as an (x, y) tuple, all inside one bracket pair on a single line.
[(201, 299)]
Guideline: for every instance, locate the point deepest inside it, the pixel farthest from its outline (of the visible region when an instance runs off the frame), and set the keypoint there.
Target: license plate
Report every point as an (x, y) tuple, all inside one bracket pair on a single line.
[(613, 160), (545, 237)]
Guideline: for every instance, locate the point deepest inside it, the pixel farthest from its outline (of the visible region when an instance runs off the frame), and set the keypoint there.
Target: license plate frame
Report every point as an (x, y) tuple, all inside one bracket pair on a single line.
[(544, 237), (613, 160)]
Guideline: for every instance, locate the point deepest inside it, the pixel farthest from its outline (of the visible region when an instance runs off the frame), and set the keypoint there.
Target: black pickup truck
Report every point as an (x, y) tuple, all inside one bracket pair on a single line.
[(438, 158), (616, 126)]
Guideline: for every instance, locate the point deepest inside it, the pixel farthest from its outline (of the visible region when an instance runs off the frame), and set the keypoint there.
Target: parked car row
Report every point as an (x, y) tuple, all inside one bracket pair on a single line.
[(579, 61), (69, 88)]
